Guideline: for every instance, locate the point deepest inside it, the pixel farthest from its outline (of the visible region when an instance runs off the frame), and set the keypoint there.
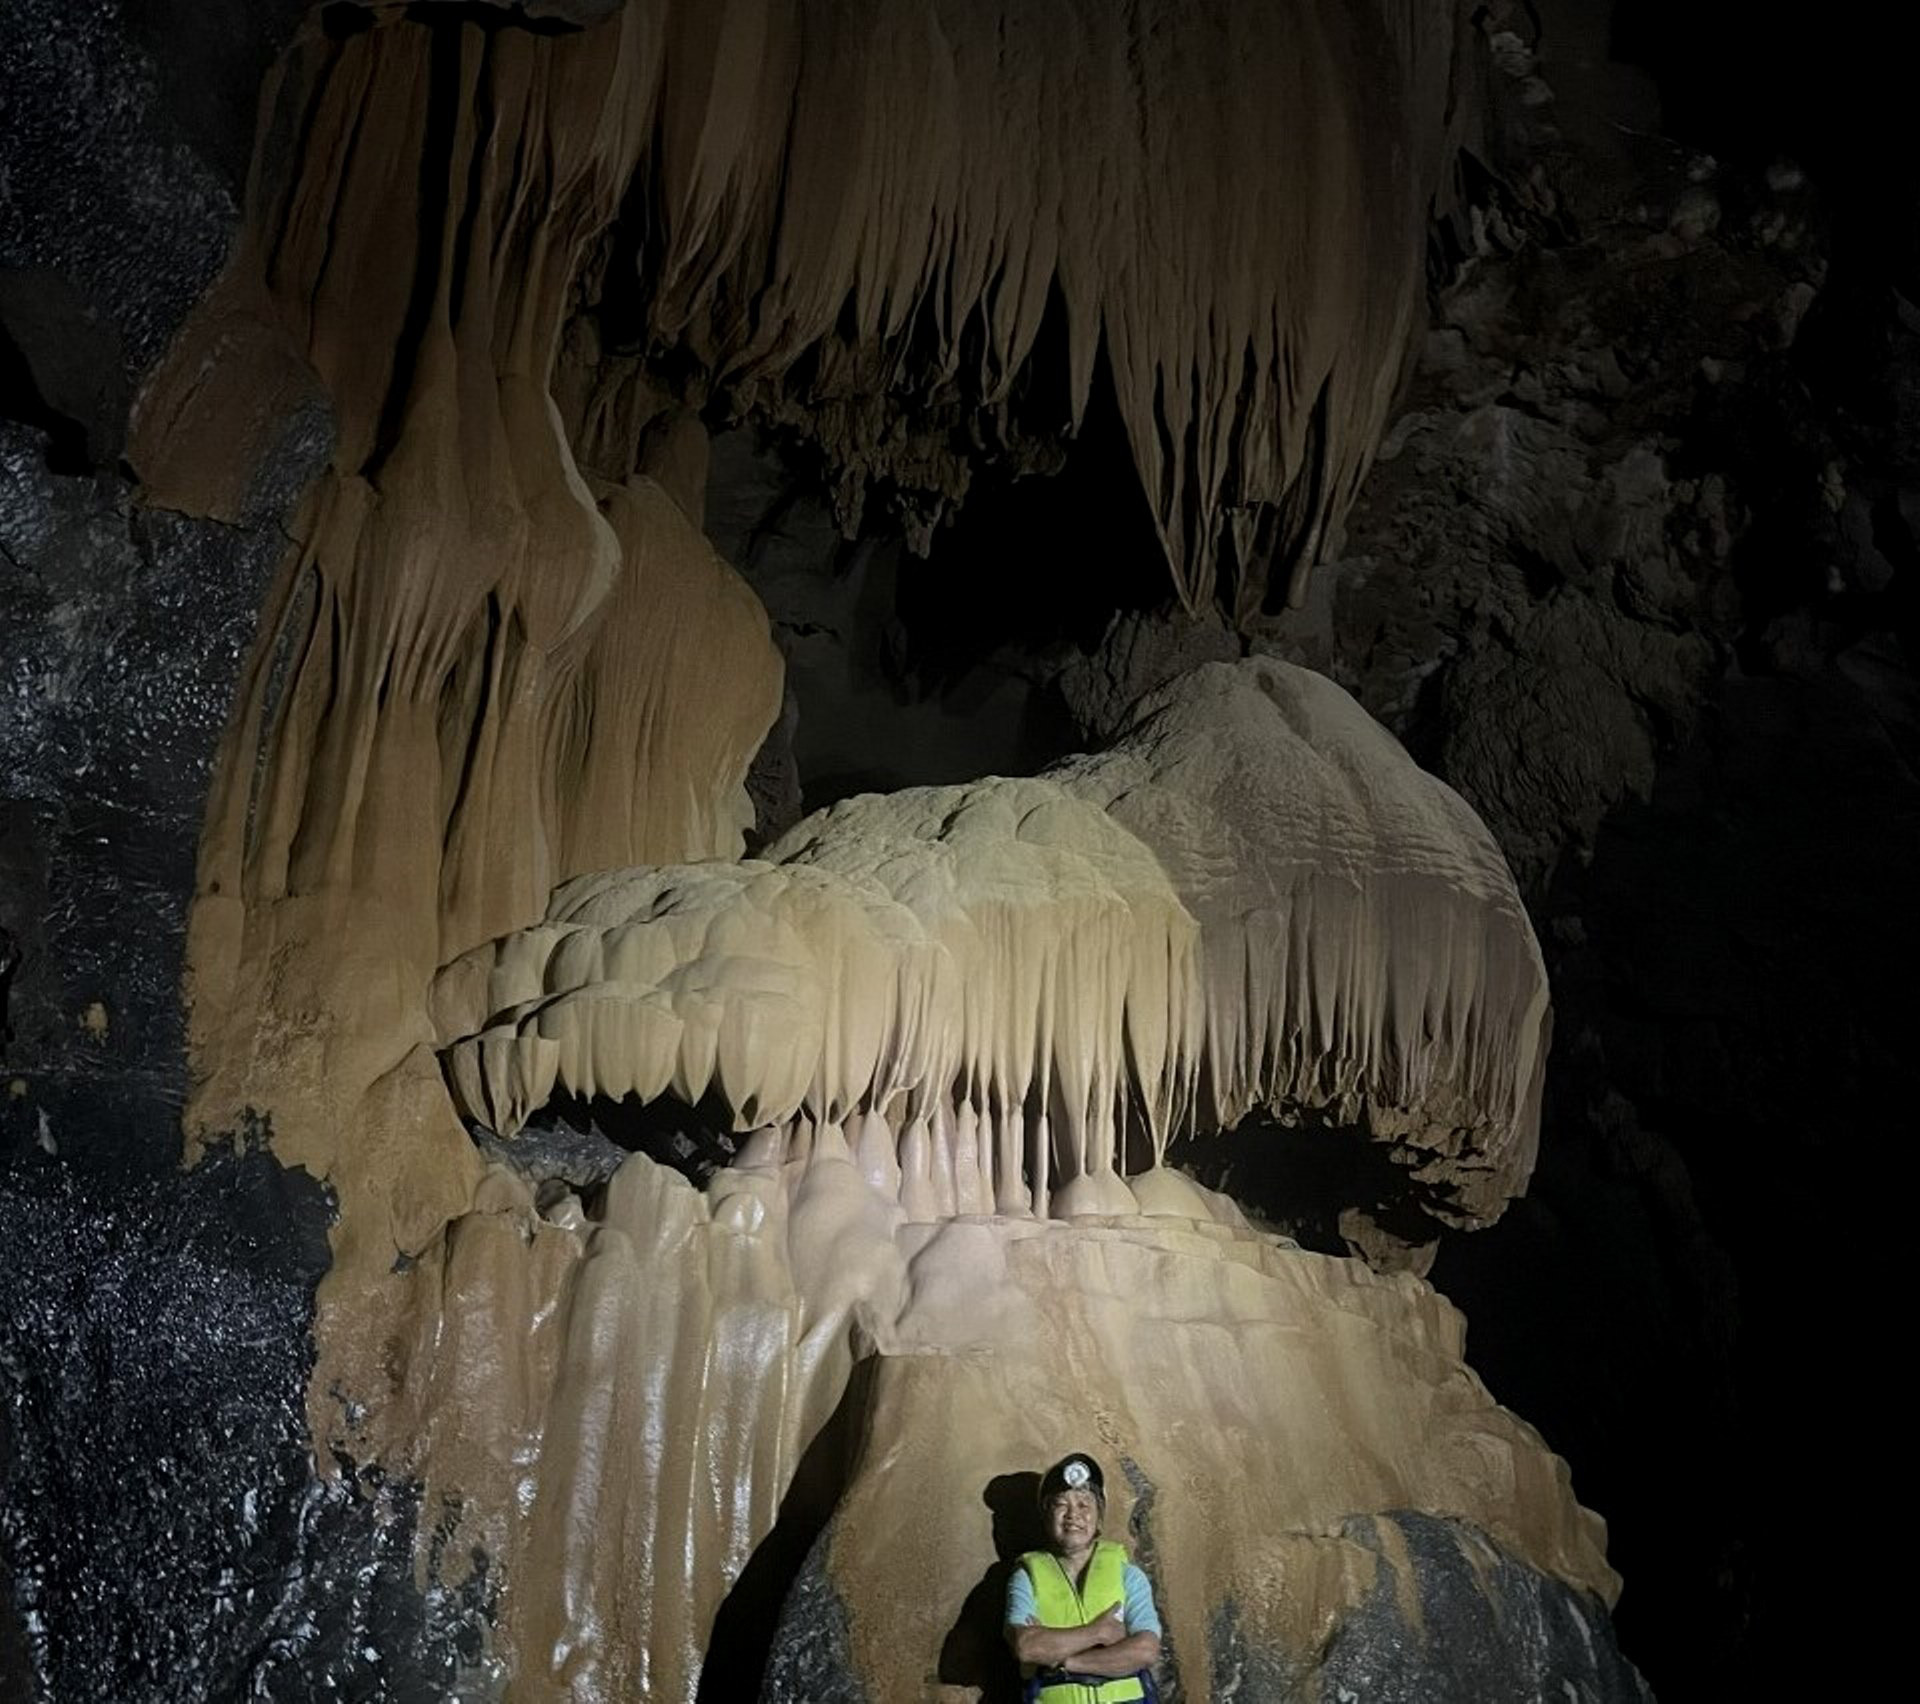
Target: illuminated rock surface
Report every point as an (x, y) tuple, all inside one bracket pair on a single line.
[(933, 1016), (357, 485), (500, 657), (644, 1387), (1253, 900)]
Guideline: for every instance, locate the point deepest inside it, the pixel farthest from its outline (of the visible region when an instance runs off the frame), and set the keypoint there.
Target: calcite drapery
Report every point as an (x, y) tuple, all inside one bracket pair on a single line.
[(1253, 900), (443, 719), (643, 1387), (482, 673)]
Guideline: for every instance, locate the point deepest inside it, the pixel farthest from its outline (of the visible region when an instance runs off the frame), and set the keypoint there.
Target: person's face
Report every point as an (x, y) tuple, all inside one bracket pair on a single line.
[(1072, 1520)]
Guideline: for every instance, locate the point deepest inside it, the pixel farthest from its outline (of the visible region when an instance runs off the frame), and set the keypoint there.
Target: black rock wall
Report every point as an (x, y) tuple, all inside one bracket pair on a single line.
[(163, 1537), (162, 1534), (122, 628)]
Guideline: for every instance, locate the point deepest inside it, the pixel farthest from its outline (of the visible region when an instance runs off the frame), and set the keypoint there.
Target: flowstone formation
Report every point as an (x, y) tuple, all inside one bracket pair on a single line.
[(523, 265), (473, 944), (956, 1034), (1253, 900)]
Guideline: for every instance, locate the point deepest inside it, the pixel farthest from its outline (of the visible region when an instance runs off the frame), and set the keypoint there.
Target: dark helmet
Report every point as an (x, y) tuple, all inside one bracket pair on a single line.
[(1076, 1472)]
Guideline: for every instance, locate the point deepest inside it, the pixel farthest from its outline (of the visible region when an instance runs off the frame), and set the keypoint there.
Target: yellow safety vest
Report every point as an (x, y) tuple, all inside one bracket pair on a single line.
[(1057, 1603)]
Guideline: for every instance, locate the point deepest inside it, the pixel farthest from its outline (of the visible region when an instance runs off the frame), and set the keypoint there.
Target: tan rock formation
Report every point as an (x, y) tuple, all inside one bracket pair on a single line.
[(481, 674), (453, 707), (1231, 198), (502, 658), (1254, 899), (1365, 951), (1266, 1394), (949, 1007), (641, 1390), (965, 964)]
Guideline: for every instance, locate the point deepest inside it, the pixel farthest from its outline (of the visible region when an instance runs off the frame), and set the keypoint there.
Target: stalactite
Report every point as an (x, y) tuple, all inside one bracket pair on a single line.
[(504, 668), (496, 675), (1229, 200), (466, 721), (1254, 900)]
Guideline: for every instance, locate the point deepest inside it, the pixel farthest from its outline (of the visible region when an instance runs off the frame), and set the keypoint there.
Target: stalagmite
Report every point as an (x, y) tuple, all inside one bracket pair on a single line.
[(500, 655)]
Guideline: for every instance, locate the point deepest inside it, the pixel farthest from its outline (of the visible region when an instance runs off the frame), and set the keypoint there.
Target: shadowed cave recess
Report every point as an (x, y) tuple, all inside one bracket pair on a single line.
[(760, 759)]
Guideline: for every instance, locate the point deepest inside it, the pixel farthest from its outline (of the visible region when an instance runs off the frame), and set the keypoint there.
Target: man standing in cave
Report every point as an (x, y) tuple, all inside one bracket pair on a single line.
[(1080, 1615)]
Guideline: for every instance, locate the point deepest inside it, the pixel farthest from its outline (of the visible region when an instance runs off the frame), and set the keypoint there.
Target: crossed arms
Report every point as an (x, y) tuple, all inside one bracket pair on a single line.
[(1102, 1646)]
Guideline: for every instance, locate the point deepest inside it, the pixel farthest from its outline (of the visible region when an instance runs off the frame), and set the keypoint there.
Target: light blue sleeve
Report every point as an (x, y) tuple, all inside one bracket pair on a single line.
[(1142, 1617), (1020, 1608)]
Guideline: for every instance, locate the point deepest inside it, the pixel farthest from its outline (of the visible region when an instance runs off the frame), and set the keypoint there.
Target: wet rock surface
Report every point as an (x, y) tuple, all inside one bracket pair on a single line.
[(124, 634), (122, 627), (1452, 1619), (812, 1657), (162, 1535)]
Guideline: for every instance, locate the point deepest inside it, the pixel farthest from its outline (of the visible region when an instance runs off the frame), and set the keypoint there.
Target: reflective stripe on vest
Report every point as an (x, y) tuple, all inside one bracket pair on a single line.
[(1056, 1603)]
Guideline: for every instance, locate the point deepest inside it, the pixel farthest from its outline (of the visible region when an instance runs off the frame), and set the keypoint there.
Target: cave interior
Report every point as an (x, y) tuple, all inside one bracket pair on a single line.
[(494, 496)]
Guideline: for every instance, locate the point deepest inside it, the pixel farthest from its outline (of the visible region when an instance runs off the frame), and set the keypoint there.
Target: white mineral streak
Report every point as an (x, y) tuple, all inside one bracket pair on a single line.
[(670, 1364), (1254, 900)]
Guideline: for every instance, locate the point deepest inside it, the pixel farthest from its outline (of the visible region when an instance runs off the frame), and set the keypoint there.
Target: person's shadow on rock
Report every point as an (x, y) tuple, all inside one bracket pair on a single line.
[(975, 1652)]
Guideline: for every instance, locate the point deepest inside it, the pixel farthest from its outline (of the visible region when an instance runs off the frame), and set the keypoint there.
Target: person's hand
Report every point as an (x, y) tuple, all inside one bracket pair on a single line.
[(1109, 1629)]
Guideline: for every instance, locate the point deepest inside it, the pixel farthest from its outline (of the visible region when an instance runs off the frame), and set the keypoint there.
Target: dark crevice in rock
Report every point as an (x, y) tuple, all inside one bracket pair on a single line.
[(68, 449), (762, 1646), (1303, 1178), (580, 1140), (903, 672)]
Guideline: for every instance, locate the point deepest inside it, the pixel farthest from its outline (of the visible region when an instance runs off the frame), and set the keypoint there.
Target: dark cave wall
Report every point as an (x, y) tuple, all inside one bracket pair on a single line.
[(162, 1532), (122, 627), (1636, 575)]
